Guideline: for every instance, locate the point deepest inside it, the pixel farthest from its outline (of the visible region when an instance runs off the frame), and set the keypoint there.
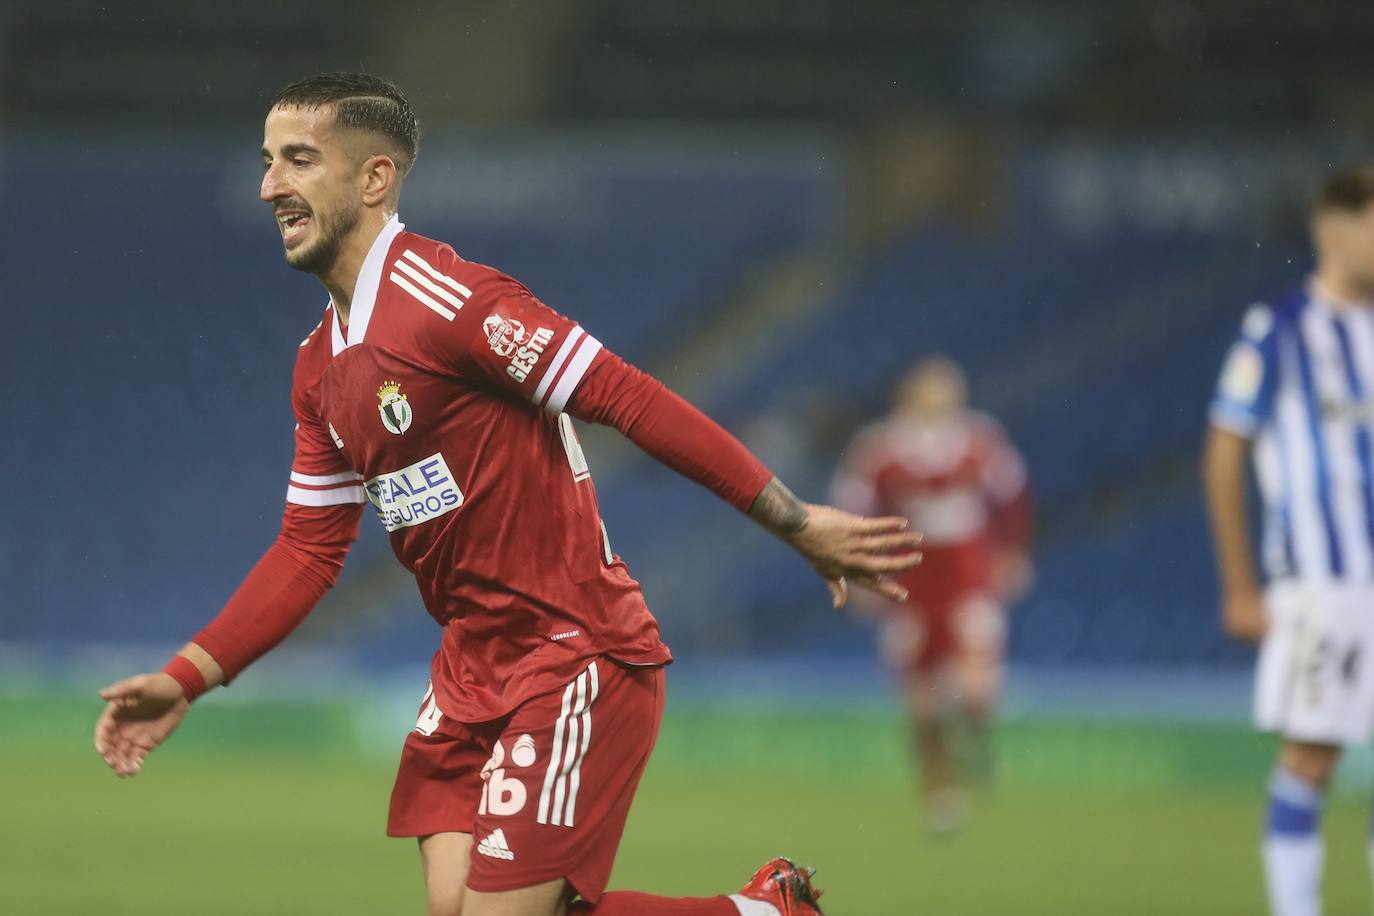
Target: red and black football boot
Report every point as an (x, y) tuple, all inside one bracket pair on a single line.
[(785, 886)]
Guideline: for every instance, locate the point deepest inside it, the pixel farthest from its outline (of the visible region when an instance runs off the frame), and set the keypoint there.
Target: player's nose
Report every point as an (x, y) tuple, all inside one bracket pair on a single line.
[(272, 186)]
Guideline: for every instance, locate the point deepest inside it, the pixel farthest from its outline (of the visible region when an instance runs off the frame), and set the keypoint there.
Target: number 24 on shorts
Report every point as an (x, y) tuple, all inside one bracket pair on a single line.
[(1329, 661)]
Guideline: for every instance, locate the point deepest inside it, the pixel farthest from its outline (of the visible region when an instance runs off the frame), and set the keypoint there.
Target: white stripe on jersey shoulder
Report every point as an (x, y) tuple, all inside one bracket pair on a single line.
[(1258, 322), (432, 288), (441, 277), (311, 334), (365, 290), (421, 297), (336, 497), (409, 270)]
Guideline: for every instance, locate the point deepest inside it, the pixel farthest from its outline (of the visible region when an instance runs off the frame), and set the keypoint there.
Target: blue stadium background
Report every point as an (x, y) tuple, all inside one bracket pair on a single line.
[(775, 207), (1089, 284)]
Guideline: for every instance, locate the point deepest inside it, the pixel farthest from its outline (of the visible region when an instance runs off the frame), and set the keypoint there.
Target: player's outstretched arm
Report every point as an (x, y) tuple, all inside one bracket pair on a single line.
[(840, 546)]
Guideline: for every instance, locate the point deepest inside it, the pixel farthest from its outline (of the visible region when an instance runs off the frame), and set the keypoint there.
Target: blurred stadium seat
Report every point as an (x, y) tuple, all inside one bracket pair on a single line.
[(773, 206), (1097, 350)]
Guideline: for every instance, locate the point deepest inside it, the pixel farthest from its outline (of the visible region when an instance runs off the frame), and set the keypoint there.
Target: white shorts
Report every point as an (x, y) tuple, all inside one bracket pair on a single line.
[(1315, 679)]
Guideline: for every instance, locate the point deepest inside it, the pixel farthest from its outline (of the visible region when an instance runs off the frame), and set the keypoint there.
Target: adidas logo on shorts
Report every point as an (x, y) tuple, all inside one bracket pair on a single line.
[(496, 846)]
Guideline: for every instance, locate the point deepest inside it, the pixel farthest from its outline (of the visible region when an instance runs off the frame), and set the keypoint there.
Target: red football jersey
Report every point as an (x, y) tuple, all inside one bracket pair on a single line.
[(440, 404), (960, 483)]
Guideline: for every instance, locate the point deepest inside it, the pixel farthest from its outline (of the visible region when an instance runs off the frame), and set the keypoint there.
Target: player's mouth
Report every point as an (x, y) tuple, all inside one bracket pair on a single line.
[(293, 224)]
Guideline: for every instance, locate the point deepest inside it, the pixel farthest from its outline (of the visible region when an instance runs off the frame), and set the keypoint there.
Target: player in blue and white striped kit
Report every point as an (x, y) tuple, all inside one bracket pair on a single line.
[(1296, 396)]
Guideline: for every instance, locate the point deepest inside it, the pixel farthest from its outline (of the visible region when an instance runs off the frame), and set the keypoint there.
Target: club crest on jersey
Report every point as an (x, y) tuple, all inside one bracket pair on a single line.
[(394, 408), (503, 334)]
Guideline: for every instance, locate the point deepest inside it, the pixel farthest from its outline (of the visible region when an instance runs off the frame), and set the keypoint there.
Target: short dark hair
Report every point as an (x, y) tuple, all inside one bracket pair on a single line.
[(361, 102), (1348, 190)]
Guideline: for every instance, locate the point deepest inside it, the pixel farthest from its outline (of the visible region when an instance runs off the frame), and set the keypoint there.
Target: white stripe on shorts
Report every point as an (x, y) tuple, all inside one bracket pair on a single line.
[(575, 780), (571, 738), (554, 756)]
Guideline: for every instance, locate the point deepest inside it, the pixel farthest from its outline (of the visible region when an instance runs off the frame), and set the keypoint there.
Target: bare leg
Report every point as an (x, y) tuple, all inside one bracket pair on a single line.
[(1293, 852), (444, 857), (1313, 763), (547, 899), (944, 805), (980, 671)]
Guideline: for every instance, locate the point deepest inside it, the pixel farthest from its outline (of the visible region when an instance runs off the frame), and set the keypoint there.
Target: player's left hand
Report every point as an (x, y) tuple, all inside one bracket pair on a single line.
[(851, 549), (140, 713)]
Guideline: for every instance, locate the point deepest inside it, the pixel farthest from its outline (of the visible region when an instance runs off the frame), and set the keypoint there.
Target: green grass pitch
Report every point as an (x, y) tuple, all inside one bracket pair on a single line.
[(278, 809)]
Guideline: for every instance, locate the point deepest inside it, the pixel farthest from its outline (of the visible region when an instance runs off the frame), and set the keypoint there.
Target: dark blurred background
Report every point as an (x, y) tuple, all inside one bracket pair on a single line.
[(774, 206)]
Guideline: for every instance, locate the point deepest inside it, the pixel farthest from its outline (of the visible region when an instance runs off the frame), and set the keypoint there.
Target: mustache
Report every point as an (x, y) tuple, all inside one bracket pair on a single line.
[(296, 204)]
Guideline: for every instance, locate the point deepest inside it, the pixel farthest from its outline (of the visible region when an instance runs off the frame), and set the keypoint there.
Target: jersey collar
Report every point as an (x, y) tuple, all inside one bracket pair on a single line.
[(365, 290), (1324, 298)]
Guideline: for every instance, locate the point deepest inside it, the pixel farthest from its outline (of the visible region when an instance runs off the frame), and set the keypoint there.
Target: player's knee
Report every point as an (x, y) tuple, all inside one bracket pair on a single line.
[(980, 627), (980, 681), (444, 858), (1312, 763), (977, 706), (444, 896), (923, 697), (444, 902), (525, 902)]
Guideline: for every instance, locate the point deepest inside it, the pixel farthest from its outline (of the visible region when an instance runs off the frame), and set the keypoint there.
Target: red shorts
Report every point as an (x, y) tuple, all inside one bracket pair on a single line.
[(918, 639), (949, 612), (545, 790)]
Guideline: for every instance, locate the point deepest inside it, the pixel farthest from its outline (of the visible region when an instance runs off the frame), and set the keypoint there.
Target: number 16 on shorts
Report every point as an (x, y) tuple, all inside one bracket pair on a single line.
[(504, 796)]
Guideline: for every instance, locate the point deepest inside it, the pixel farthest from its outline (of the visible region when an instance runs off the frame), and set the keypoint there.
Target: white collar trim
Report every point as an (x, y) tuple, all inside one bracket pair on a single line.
[(365, 289)]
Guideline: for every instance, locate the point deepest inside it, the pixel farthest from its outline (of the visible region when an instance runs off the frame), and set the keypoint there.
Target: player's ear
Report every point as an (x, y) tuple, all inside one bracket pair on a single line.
[(379, 178)]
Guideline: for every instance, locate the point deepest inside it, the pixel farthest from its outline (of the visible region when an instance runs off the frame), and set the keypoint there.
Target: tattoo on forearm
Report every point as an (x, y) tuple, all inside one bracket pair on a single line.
[(778, 510)]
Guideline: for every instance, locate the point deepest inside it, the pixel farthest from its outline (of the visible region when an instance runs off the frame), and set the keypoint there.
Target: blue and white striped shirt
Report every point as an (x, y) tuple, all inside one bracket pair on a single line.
[(1299, 381)]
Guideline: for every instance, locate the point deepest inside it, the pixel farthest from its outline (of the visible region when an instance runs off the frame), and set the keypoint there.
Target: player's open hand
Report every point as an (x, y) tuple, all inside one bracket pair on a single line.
[(845, 549), (1243, 615), (140, 712)]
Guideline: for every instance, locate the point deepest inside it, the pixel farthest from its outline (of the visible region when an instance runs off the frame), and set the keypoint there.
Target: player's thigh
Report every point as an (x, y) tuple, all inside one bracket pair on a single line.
[(547, 899), (979, 628), (925, 692), (560, 780), (444, 857), (903, 639), (1311, 762)]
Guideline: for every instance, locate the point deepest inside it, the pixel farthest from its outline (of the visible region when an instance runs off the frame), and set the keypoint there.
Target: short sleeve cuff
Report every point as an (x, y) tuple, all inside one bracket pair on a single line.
[(1233, 419)]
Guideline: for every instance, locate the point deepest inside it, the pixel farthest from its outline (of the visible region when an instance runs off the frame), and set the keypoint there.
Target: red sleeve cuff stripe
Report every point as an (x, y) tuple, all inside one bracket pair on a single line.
[(184, 672), (334, 497)]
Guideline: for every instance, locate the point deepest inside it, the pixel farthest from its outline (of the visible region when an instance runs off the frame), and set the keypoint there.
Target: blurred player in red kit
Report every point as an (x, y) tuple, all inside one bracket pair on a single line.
[(442, 392), (953, 472)]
